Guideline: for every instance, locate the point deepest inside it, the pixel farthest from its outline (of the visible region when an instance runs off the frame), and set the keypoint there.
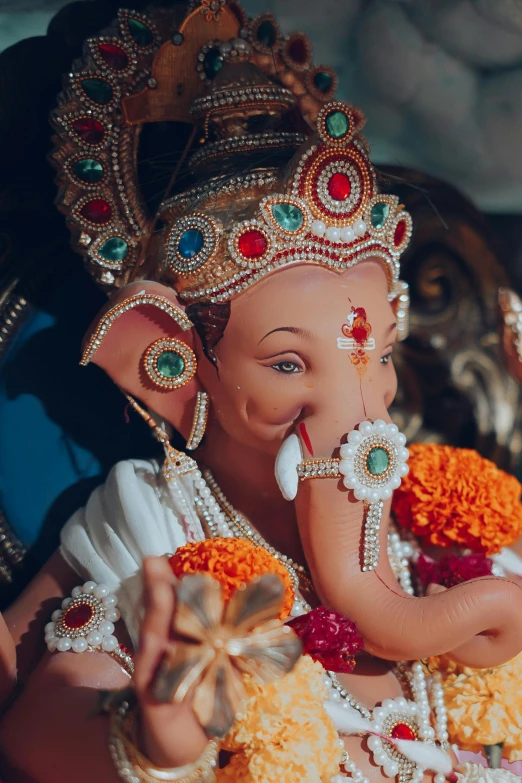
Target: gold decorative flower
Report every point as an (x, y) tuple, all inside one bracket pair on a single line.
[(216, 642)]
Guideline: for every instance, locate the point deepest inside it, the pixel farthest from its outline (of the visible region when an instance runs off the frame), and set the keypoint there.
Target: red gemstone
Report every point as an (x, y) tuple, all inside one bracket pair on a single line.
[(89, 130), (339, 187), (115, 57), (252, 244), (403, 732), (78, 616), (299, 51), (97, 211), (400, 232)]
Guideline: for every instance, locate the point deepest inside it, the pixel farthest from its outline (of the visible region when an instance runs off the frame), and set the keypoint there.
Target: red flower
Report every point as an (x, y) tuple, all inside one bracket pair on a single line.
[(451, 570), (328, 637)]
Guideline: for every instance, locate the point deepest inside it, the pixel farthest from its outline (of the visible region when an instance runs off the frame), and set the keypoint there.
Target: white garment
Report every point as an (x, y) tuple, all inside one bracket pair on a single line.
[(133, 515)]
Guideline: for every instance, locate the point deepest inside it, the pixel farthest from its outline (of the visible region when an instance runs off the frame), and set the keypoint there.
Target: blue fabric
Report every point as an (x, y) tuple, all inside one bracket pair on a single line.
[(62, 426), (38, 461)]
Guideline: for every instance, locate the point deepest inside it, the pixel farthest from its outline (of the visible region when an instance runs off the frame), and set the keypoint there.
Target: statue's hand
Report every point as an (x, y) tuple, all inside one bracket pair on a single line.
[(170, 733)]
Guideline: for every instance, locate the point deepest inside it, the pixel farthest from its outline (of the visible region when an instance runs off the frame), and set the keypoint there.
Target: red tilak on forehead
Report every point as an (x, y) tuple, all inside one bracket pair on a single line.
[(306, 438)]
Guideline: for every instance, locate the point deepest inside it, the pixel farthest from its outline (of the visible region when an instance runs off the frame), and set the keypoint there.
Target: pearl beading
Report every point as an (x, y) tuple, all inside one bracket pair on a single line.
[(138, 300), (199, 423), (372, 528), (415, 712), (97, 632), (211, 497), (400, 553), (202, 771)]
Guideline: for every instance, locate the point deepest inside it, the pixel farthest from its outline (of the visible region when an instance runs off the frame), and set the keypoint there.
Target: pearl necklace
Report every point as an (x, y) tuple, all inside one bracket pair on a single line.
[(222, 519), (411, 717)]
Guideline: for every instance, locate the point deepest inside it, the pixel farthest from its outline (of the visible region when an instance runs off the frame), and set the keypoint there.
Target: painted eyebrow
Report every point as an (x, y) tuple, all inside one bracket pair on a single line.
[(292, 329)]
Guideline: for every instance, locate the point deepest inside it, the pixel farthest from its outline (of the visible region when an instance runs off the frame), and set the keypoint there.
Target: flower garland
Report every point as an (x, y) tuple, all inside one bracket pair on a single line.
[(455, 497), (483, 705), (328, 637), (233, 562), (285, 733), (451, 570)]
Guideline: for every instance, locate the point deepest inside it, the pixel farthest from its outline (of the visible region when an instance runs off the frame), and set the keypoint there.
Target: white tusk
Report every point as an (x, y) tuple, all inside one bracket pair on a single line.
[(287, 460)]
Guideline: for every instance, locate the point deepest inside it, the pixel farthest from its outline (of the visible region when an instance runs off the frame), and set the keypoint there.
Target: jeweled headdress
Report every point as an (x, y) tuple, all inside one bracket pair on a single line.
[(277, 172)]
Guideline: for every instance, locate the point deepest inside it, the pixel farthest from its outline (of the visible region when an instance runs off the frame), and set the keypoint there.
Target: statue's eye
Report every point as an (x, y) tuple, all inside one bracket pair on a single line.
[(386, 359), (286, 367)]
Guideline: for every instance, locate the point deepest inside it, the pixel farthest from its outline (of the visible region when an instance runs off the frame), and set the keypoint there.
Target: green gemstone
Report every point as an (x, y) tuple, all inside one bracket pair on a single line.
[(113, 249), (140, 33), (288, 216), (377, 461), (88, 170), (266, 33), (170, 364), (323, 81), (212, 63), (379, 215), (98, 90), (337, 124)]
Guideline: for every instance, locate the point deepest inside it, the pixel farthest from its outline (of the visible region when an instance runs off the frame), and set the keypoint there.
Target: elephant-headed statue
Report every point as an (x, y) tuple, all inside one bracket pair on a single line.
[(254, 312)]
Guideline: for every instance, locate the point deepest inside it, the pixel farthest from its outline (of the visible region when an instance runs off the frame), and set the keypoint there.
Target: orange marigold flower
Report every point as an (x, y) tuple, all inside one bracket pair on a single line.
[(455, 497), (233, 562)]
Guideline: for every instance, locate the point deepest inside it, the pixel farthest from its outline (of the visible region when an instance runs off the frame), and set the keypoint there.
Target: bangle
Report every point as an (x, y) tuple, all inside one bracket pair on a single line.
[(133, 767), (85, 623), (319, 468)]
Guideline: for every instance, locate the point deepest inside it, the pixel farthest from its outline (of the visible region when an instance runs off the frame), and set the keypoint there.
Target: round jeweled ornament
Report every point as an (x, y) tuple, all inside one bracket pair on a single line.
[(251, 242), (190, 243), (169, 363), (338, 122), (399, 720), (85, 621), (373, 461)]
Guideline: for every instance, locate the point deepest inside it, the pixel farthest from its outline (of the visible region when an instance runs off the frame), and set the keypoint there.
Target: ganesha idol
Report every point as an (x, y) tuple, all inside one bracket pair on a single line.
[(255, 314)]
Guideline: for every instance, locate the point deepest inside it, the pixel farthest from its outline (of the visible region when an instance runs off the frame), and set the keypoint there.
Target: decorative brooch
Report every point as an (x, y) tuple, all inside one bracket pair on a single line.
[(85, 621)]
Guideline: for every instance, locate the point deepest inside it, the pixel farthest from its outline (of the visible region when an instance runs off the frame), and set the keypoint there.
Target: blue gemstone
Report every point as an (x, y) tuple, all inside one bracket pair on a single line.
[(190, 243)]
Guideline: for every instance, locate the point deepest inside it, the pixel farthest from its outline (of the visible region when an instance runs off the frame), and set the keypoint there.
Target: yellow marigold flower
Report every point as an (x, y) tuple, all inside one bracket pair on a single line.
[(284, 734), (484, 705)]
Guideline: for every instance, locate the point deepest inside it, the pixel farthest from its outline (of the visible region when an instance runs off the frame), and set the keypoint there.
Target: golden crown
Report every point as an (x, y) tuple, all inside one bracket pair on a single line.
[(329, 213), (262, 200)]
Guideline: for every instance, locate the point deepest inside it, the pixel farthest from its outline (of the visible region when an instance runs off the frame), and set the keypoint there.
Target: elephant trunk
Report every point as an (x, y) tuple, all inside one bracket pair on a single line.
[(477, 623)]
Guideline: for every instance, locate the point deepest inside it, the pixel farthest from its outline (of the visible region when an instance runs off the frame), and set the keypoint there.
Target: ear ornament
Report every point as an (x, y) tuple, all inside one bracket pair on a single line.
[(199, 423), (138, 300), (169, 363), (177, 463)]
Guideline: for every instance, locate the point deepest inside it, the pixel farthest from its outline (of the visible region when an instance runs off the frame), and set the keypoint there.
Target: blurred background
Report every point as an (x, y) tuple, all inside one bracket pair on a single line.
[(441, 84)]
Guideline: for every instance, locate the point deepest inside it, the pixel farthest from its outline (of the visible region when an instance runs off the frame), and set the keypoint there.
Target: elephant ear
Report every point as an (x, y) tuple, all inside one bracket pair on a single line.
[(117, 341)]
